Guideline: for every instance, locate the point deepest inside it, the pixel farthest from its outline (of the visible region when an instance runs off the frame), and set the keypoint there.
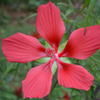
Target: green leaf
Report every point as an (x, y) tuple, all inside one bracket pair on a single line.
[(47, 44), (29, 64), (91, 5), (29, 17), (96, 12), (3, 58), (96, 82), (63, 4), (96, 56), (68, 12), (54, 68), (65, 59), (43, 60), (71, 5), (17, 66), (54, 85), (73, 21), (86, 2), (7, 70), (91, 92), (62, 46), (64, 17)]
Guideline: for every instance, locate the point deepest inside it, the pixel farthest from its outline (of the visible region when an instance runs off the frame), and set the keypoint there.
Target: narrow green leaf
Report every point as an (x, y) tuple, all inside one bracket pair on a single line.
[(7, 70), (29, 64), (17, 66), (63, 4), (73, 21), (96, 12), (86, 2), (96, 82), (64, 17), (68, 12), (71, 5), (91, 5), (54, 85), (92, 92), (94, 59), (29, 17)]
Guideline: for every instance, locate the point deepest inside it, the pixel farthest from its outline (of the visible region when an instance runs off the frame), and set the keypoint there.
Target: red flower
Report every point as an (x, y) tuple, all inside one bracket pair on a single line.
[(18, 91), (35, 34), (22, 48), (38, 36), (66, 96)]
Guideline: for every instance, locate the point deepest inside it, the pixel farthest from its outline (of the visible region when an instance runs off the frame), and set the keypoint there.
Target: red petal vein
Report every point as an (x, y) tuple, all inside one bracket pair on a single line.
[(38, 81), (49, 24), (22, 48), (73, 76), (82, 46)]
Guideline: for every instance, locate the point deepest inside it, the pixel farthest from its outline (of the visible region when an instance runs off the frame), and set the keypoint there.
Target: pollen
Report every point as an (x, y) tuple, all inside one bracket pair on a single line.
[(50, 51)]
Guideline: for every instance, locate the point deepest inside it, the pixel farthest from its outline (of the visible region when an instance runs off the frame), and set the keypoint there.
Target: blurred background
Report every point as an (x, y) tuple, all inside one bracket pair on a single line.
[(20, 16)]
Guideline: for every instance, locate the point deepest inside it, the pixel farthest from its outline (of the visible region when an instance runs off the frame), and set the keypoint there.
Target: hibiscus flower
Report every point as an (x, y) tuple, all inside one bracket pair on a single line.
[(22, 48)]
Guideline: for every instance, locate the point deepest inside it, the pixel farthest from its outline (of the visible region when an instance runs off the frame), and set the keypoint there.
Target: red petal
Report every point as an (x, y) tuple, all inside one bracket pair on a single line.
[(74, 76), (22, 48), (38, 81), (82, 46), (49, 24)]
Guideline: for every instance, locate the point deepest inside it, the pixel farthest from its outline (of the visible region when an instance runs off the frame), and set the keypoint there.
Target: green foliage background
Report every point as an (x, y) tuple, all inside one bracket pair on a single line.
[(75, 14)]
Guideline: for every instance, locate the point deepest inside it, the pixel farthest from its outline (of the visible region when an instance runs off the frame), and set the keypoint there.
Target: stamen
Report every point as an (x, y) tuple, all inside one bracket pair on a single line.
[(50, 51)]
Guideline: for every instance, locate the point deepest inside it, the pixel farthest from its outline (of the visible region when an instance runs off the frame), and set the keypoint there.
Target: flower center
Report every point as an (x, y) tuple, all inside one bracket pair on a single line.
[(50, 51)]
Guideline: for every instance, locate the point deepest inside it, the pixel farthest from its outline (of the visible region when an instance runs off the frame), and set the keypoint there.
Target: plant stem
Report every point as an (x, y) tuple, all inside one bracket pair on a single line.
[(96, 91), (78, 8), (83, 95)]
